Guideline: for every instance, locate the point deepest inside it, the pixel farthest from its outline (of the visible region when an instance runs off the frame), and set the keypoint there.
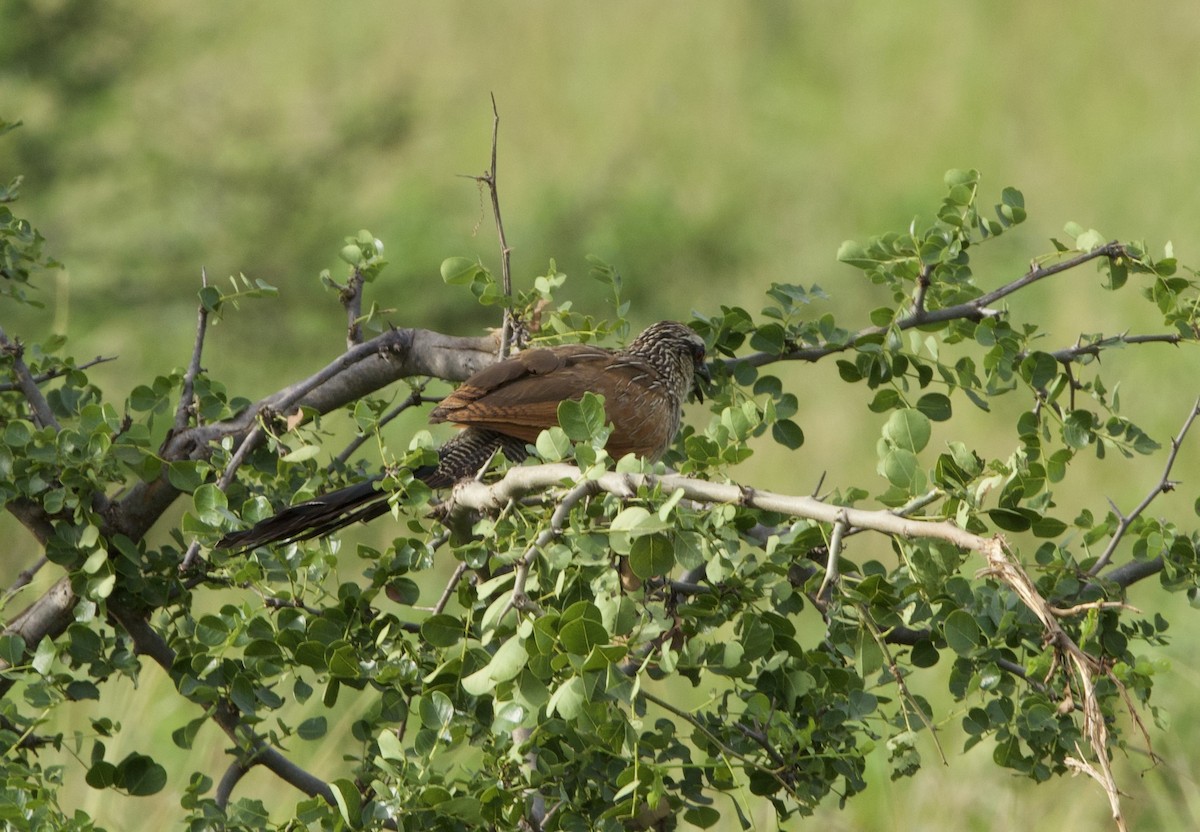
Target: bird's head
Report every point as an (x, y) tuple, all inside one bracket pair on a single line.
[(676, 349)]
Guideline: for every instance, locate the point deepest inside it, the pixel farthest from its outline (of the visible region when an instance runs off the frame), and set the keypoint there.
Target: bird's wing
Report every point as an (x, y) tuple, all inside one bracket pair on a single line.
[(520, 396)]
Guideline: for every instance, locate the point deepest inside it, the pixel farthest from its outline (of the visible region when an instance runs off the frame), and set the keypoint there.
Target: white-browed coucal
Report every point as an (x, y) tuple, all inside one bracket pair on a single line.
[(505, 406)]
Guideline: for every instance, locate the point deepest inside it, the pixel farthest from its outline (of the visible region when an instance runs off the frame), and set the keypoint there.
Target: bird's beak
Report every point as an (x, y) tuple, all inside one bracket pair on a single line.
[(701, 374)]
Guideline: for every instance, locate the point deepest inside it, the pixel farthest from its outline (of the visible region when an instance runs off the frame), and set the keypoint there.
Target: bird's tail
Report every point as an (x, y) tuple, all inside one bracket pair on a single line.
[(459, 458), (319, 516)]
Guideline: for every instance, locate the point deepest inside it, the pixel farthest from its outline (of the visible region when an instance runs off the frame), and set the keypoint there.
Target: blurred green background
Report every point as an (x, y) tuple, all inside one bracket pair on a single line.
[(706, 150)]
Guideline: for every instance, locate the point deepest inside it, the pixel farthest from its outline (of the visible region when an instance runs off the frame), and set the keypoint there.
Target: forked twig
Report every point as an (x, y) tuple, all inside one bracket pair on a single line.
[(1163, 485)]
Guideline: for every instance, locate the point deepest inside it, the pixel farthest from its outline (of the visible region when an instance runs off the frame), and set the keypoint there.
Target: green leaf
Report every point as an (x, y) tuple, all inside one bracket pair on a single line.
[(343, 662), (886, 399), (436, 710), (580, 635), (210, 504), (210, 298), (44, 655), (651, 555), (631, 523), (1056, 464), (1118, 273), (507, 663), (403, 591), (584, 419), (553, 445), (853, 254), (1090, 240), (349, 801), (12, 649), (849, 371), (390, 747), (902, 469), (140, 775), (1039, 369), (184, 737), (18, 433), (955, 177), (459, 271), (1048, 527), (962, 632), (925, 654), (101, 775), (186, 475), (883, 316), (908, 430), (464, 808), (1012, 206), (302, 453), (1012, 519), (143, 399), (769, 338), (313, 728), (568, 699), (787, 433), (442, 630), (211, 630), (935, 406), (701, 816), (1078, 429)]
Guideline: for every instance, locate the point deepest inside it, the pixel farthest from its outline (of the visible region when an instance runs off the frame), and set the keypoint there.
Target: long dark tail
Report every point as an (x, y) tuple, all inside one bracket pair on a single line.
[(459, 458)]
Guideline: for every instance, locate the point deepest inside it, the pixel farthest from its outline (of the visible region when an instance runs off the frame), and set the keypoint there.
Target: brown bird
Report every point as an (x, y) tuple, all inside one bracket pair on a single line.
[(505, 406)]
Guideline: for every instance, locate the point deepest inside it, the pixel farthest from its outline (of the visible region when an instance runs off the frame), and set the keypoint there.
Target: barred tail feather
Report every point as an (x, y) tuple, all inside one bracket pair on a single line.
[(459, 458)]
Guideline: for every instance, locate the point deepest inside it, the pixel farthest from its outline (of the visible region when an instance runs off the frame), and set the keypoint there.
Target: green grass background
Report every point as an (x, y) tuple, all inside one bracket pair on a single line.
[(704, 149)]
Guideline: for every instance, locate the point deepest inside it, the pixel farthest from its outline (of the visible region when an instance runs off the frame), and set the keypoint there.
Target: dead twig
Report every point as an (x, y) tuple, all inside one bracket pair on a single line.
[(488, 178), (187, 394)]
